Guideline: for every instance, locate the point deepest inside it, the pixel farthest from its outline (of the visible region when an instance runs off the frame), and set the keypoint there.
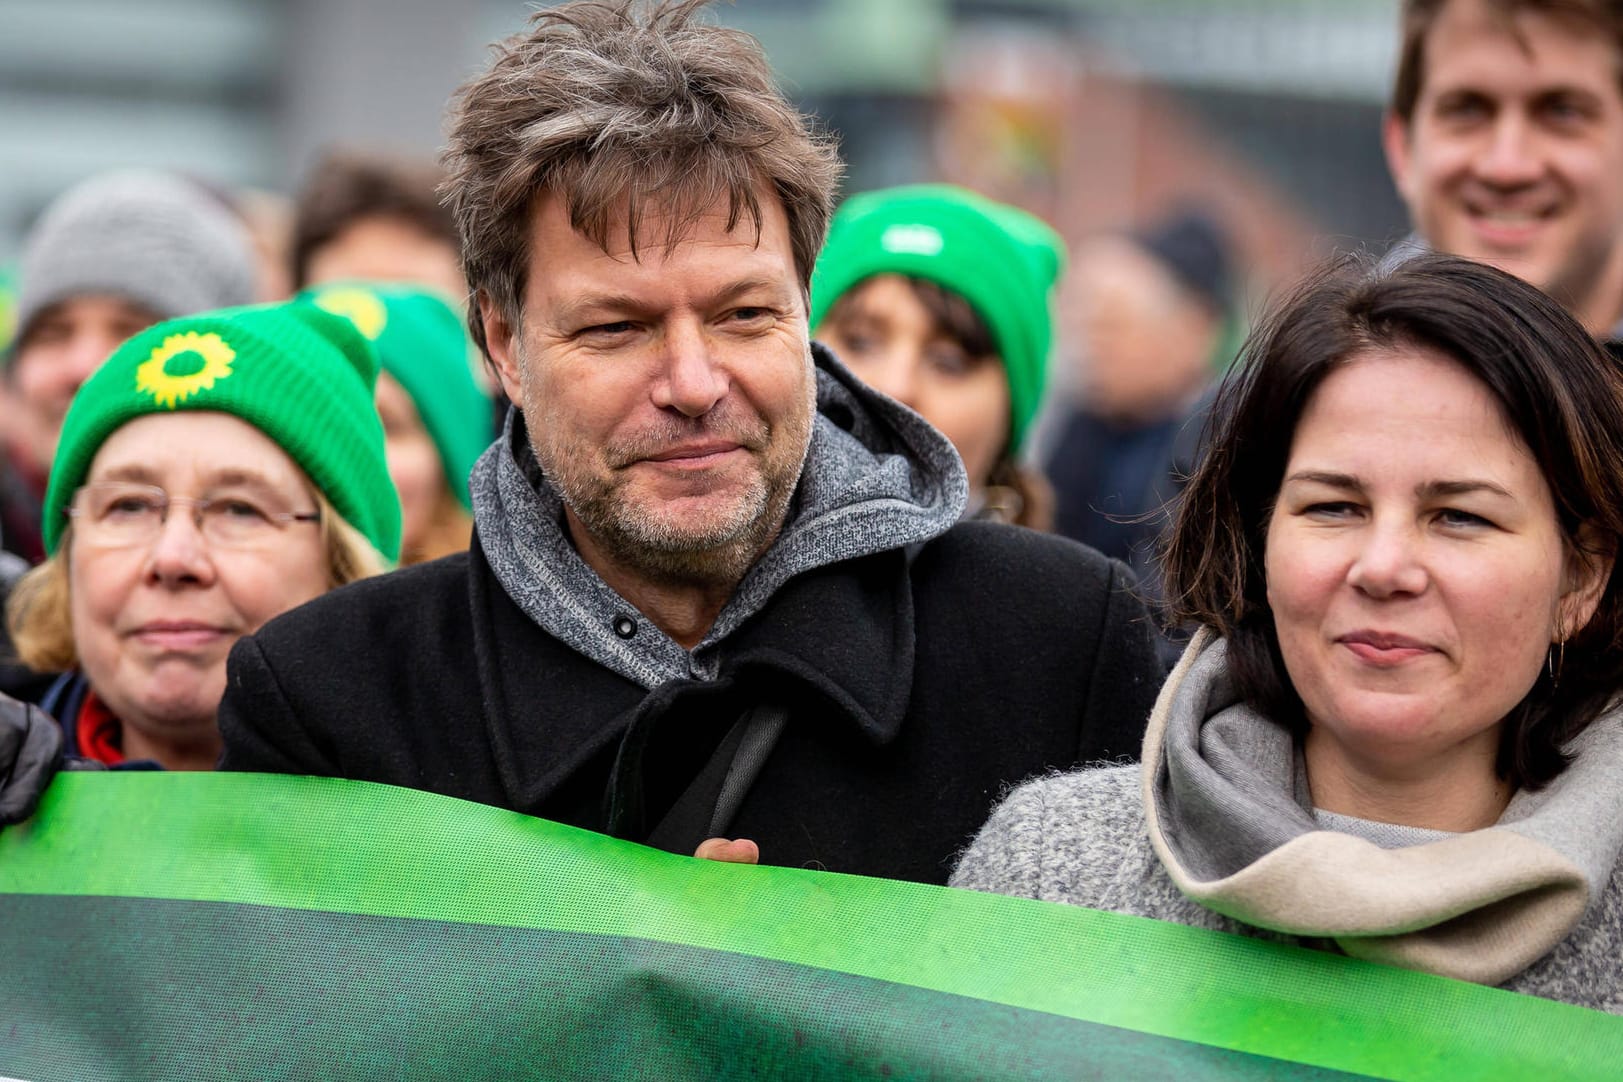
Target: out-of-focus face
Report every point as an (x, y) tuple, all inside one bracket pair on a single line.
[(890, 340), (669, 398), (414, 461), (1415, 568), (384, 249), (60, 348), (153, 622), (1514, 152), (1147, 343)]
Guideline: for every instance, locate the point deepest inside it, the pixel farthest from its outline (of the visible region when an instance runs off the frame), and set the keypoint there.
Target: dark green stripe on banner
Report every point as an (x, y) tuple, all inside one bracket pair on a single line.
[(125, 989), (352, 848)]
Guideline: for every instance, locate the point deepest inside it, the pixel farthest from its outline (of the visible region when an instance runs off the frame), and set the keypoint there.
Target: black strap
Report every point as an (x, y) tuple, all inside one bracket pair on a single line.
[(707, 806), (762, 727)]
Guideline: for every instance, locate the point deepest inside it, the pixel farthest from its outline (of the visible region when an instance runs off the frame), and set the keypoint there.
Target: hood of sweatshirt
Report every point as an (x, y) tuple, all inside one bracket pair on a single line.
[(1231, 819), (876, 477)]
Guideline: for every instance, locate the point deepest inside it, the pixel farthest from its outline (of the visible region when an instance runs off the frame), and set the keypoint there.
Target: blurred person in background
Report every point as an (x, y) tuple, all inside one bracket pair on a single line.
[(216, 471), (12, 565), (268, 217), (436, 419), (940, 298), (107, 258), (1505, 140), (1153, 310), (1398, 733), (369, 218)]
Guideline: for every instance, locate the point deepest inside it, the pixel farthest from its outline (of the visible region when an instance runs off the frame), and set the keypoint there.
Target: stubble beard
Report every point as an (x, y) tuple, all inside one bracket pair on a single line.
[(716, 551), (1578, 279)]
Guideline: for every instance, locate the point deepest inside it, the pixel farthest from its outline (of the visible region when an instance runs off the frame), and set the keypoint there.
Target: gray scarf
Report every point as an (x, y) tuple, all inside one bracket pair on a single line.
[(876, 477), (1229, 817)]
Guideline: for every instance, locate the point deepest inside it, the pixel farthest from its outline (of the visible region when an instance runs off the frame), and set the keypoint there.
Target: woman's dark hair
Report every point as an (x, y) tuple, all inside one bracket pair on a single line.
[(1560, 391)]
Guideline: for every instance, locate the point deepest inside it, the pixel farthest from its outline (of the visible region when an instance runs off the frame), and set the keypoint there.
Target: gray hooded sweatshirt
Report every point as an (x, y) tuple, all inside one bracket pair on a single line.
[(1216, 829), (876, 477)]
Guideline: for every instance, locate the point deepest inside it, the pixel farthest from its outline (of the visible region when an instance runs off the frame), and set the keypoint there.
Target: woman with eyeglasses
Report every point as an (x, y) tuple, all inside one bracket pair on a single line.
[(215, 472)]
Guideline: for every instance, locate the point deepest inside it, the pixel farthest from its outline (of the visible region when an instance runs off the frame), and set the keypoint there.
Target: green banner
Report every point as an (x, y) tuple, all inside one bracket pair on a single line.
[(245, 926)]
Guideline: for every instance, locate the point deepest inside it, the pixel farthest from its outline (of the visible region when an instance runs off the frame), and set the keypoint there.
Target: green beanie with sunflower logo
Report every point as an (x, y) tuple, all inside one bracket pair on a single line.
[(302, 376), (422, 343)]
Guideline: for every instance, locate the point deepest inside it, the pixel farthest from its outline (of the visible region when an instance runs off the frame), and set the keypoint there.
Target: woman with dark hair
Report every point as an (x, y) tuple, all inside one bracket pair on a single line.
[(1395, 734)]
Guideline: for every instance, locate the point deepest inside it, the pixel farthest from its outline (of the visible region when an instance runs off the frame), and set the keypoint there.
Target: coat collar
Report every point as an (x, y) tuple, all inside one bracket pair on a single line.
[(836, 645), (876, 478)]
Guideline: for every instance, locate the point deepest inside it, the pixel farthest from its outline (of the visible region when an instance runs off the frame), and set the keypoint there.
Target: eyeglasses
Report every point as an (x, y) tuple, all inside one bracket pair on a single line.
[(118, 514)]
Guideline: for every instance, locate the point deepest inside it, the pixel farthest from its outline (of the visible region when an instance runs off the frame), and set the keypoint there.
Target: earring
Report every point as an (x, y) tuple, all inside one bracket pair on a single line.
[(1554, 660)]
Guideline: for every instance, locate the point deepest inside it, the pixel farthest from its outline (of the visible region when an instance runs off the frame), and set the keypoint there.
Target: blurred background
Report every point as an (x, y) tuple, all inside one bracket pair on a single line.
[(1096, 114)]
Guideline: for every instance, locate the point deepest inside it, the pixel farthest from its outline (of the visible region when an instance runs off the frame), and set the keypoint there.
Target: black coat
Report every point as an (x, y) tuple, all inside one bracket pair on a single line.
[(920, 684)]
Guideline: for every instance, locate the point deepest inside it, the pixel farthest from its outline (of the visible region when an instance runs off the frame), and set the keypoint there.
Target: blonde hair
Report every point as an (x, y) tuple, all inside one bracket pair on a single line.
[(39, 615), (1019, 495)]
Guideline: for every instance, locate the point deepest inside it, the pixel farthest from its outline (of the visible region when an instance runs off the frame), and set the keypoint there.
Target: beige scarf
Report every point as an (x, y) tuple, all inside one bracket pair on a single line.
[(1229, 817)]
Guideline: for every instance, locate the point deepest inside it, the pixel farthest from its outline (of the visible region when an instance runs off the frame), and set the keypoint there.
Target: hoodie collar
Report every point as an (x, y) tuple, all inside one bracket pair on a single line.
[(877, 477)]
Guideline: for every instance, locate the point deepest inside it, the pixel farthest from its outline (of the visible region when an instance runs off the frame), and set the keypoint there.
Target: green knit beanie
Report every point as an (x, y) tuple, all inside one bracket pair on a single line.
[(300, 375), (1000, 259), (422, 343)]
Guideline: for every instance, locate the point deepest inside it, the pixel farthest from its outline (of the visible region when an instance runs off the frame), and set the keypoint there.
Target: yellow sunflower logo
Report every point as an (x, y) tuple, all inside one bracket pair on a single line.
[(183, 364), (359, 306)]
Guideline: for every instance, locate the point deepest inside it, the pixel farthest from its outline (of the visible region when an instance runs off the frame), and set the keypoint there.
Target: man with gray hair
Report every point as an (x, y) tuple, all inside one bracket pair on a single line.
[(110, 256), (718, 587)]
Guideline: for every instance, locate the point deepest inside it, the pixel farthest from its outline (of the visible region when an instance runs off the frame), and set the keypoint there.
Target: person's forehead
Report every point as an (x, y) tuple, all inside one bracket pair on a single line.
[(889, 298), (663, 226), (675, 263), (1119, 265), (82, 313), (1477, 45), (95, 307), (199, 445)]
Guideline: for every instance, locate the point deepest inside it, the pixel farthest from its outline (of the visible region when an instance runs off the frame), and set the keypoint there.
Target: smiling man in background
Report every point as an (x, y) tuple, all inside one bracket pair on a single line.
[(1505, 139)]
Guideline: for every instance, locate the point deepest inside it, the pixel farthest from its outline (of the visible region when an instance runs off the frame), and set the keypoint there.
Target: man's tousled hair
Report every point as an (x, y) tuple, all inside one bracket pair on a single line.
[(1604, 17), (616, 107)]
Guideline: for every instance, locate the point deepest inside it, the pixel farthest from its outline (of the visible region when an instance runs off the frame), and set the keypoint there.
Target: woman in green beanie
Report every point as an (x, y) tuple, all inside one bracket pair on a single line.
[(215, 472), (436, 419), (939, 298)]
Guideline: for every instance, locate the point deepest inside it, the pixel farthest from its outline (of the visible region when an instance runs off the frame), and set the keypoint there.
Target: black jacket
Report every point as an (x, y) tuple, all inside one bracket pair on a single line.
[(919, 684)]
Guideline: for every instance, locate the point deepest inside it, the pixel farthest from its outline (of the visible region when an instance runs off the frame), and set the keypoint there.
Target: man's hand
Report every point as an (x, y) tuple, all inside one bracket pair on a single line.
[(729, 851), (30, 755)]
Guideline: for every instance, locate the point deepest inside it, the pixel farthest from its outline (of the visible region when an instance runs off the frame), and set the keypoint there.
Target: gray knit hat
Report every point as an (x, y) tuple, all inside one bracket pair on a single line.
[(156, 239)]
